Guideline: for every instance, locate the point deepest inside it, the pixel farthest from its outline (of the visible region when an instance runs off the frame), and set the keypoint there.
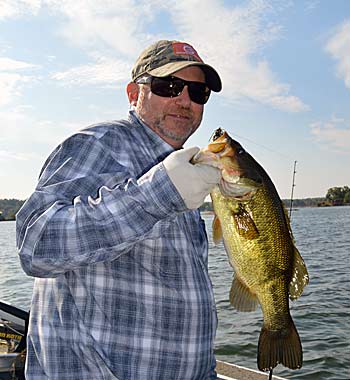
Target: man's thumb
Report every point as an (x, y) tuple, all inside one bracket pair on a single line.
[(186, 154)]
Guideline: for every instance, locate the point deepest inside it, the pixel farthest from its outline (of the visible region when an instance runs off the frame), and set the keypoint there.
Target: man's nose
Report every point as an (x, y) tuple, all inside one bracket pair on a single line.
[(184, 98)]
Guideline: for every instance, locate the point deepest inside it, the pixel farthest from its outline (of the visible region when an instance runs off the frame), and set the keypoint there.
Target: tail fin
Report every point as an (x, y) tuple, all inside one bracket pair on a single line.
[(279, 347)]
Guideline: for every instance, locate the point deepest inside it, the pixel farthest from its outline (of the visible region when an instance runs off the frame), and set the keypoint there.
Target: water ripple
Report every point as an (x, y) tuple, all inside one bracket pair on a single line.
[(322, 314)]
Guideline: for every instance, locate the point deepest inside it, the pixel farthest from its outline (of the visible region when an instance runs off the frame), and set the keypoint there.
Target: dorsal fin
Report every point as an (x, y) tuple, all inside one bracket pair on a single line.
[(300, 276)]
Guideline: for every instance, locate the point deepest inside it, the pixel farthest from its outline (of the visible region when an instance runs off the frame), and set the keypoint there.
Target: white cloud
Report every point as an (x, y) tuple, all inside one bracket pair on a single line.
[(25, 143), (333, 134), (8, 64), (17, 8), (311, 5), (12, 78), (10, 86), (7, 10), (338, 46), (105, 72), (10, 156), (20, 126), (231, 39), (112, 34), (106, 24)]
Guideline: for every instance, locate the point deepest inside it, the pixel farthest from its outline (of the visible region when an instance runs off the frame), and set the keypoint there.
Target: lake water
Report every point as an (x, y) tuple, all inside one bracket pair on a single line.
[(321, 314)]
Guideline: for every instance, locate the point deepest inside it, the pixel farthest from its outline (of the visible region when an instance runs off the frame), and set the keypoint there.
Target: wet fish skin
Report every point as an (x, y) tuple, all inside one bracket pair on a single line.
[(260, 247)]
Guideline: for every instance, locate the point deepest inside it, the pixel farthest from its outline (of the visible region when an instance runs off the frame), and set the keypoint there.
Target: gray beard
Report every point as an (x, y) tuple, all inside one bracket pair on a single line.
[(174, 136)]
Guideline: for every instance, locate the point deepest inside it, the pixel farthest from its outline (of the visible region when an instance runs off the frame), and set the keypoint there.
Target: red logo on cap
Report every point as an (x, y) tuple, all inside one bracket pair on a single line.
[(181, 48)]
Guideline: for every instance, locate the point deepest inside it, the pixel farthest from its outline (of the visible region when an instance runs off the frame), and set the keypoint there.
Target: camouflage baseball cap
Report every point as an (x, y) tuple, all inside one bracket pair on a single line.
[(165, 57)]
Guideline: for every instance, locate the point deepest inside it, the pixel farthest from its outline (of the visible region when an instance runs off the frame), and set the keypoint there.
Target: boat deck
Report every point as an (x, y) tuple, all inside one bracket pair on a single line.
[(225, 371), (228, 371)]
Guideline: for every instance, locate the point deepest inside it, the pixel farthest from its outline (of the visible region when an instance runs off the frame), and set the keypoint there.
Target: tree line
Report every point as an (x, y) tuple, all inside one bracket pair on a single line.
[(307, 202), (9, 208), (336, 196)]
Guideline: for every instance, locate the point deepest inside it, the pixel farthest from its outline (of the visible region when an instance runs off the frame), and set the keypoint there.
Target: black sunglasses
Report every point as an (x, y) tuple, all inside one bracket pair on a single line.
[(171, 87)]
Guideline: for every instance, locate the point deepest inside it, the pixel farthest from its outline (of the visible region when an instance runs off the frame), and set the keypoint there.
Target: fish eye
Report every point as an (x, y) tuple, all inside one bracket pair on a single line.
[(217, 133), (240, 151)]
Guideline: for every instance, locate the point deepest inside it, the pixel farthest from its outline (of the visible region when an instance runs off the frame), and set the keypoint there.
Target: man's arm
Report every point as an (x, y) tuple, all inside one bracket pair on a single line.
[(80, 209)]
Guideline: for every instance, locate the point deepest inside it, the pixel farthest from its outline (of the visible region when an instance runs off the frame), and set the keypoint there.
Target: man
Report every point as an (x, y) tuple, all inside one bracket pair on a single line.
[(115, 243)]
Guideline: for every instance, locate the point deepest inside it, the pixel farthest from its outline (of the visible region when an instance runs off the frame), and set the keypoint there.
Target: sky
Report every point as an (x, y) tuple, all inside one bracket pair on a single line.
[(285, 68)]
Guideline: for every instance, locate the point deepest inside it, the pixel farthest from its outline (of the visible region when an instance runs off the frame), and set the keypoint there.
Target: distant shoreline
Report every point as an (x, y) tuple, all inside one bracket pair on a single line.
[(207, 208), (295, 208)]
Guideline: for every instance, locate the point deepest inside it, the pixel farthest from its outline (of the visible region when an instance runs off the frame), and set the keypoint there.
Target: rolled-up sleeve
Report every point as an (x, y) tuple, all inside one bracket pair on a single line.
[(83, 212)]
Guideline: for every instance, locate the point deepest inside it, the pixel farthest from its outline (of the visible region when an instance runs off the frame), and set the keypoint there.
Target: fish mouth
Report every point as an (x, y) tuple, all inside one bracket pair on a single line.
[(233, 184), (222, 154), (219, 153)]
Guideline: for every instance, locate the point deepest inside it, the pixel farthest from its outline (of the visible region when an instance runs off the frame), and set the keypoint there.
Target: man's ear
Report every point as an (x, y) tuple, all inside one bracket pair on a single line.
[(132, 89)]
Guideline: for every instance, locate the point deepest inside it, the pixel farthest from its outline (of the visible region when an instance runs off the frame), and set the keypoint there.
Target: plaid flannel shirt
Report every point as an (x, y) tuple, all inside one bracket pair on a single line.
[(121, 282)]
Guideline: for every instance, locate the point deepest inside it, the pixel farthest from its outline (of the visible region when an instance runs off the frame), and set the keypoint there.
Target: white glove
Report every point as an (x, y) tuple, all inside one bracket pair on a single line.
[(193, 182)]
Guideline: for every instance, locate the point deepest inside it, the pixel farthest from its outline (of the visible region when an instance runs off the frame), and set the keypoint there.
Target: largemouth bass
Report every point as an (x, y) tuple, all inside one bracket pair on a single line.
[(268, 269)]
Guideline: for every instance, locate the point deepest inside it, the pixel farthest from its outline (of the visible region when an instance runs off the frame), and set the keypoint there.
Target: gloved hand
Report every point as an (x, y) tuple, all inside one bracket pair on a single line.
[(193, 182)]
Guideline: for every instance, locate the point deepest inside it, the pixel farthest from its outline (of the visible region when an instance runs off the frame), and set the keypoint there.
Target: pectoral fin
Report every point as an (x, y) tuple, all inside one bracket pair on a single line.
[(245, 224), (300, 277), (217, 231), (241, 298)]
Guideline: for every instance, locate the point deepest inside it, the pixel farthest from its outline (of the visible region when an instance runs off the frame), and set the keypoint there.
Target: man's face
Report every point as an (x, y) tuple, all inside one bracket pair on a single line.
[(173, 119)]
